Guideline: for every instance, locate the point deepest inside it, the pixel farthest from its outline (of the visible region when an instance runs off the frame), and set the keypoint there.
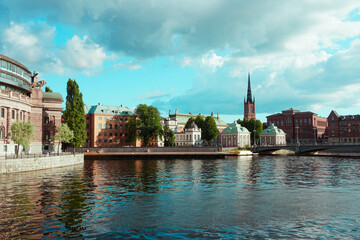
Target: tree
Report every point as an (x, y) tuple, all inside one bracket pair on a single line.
[(74, 115), (251, 125), (47, 89), (209, 129), (169, 137), (64, 134), (148, 125), (21, 134), (199, 121), (189, 121)]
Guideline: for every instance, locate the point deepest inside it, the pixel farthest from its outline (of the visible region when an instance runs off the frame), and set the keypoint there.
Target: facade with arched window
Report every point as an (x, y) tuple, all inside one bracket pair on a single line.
[(235, 135), (272, 136), (191, 136)]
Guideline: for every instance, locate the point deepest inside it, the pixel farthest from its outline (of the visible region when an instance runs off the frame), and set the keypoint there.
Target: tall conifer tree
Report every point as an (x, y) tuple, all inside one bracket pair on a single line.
[(74, 115)]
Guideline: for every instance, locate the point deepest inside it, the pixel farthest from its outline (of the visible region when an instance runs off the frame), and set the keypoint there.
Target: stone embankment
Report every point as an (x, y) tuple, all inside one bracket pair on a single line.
[(38, 163)]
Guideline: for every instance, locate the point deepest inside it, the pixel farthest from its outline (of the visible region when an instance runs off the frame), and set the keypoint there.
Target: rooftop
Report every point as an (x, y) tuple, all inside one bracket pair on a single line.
[(235, 128), (108, 110), (182, 118), (52, 95), (3, 57), (272, 129)]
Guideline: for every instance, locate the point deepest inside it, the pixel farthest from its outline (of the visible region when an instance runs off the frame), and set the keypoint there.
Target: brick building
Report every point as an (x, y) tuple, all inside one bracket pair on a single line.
[(106, 126), (22, 99), (343, 129), (307, 126), (249, 104)]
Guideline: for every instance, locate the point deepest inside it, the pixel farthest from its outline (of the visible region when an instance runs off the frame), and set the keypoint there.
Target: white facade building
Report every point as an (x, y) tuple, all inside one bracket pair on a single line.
[(235, 136), (191, 136), (272, 136)]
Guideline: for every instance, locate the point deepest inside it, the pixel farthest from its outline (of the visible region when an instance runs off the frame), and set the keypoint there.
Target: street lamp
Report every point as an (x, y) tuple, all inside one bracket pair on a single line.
[(315, 136), (297, 135)]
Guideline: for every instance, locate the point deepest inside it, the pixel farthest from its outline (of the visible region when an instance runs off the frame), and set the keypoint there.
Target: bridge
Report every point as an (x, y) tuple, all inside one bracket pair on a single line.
[(299, 149)]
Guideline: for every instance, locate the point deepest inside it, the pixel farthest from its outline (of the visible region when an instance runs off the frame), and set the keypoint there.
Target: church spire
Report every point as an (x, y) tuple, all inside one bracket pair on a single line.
[(249, 97)]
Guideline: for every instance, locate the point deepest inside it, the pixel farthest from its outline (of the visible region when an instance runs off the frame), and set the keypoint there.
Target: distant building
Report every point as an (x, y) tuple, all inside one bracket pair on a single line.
[(343, 129), (22, 99), (177, 122), (272, 136), (190, 136), (106, 126), (307, 126), (235, 136), (249, 104)]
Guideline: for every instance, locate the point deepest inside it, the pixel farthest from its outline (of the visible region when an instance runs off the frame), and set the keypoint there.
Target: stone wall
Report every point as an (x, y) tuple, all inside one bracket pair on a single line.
[(148, 149), (30, 164)]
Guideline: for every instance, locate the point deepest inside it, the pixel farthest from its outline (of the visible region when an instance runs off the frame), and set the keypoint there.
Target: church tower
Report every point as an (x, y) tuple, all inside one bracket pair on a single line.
[(249, 104)]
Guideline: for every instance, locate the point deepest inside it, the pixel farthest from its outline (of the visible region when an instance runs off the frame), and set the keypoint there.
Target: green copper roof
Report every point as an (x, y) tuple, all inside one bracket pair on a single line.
[(52, 95), (102, 109), (182, 118), (272, 129), (235, 128)]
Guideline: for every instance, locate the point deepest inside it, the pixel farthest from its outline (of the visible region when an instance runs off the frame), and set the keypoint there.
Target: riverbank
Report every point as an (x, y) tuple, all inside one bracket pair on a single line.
[(39, 163)]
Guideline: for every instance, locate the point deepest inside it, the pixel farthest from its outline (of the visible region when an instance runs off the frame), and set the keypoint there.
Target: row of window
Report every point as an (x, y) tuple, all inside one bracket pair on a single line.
[(188, 137), (110, 141), (110, 126), (115, 119), (111, 134), (15, 69), (13, 114), (288, 121), (20, 81)]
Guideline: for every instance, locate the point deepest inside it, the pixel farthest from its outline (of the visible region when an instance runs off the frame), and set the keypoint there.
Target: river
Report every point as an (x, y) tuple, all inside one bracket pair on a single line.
[(268, 197)]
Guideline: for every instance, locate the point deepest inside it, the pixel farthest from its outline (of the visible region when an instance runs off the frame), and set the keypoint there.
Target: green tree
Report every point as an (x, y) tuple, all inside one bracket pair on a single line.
[(21, 134), (189, 121), (74, 115), (199, 121), (47, 89), (64, 134), (148, 125), (209, 129), (251, 125), (169, 137)]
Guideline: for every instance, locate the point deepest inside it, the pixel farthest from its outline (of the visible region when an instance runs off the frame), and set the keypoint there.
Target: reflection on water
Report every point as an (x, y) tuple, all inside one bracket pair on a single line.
[(250, 197)]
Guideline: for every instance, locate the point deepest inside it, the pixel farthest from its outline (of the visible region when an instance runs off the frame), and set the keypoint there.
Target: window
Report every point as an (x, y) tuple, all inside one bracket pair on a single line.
[(105, 140), (87, 126), (105, 134), (3, 64), (110, 141), (281, 122), (105, 118), (300, 121), (13, 114), (121, 126), (2, 112), (126, 119), (2, 132), (99, 140), (111, 119), (121, 119), (20, 115), (116, 119), (125, 134), (110, 126), (100, 126), (332, 118), (115, 134), (87, 118), (100, 118), (110, 134), (304, 120), (115, 140), (104, 125), (116, 126), (99, 133)]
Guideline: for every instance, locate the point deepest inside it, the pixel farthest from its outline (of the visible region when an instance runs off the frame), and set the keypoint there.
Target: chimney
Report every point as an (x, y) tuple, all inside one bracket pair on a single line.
[(175, 110), (212, 114), (99, 103), (217, 115), (169, 112), (190, 113)]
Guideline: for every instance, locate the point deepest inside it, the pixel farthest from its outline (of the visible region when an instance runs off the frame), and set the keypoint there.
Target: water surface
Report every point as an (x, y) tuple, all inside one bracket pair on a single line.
[(246, 197)]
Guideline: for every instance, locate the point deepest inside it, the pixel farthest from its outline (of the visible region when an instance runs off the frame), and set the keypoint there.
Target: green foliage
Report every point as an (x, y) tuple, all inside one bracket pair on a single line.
[(251, 125), (133, 125), (22, 133), (209, 129), (148, 125), (189, 121), (169, 137), (74, 115), (47, 89), (199, 121), (64, 134)]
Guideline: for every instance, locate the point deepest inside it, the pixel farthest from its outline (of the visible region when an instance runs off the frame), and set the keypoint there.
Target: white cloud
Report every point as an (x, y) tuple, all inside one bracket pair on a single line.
[(128, 65), (184, 62), (212, 61), (82, 53)]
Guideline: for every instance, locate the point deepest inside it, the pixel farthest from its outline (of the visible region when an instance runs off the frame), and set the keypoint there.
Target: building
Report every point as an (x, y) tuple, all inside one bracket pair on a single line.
[(22, 99), (190, 136), (272, 136), (249, 104), (235, 136), (307, 127), (343, 129), (177, 122), (106, 126)]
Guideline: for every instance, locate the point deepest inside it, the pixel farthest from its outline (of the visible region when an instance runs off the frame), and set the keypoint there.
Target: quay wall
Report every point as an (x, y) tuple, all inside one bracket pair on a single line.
[(147, 149), (38, 163)]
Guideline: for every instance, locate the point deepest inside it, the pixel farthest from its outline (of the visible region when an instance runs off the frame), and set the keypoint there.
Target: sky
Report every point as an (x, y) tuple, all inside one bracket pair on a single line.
[(193, 56)]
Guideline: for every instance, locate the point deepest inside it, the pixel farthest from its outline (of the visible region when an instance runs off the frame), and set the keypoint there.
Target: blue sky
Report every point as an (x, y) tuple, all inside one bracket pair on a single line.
[(193, 55)]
